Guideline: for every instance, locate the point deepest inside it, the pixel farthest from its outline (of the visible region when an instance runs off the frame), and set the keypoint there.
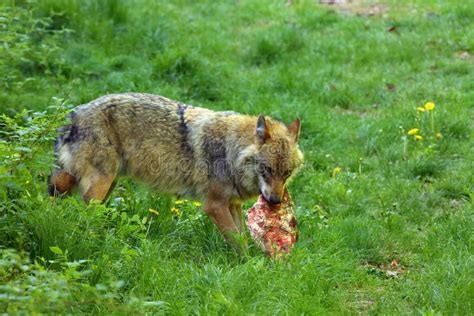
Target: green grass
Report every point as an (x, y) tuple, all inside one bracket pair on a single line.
[(356, 87)]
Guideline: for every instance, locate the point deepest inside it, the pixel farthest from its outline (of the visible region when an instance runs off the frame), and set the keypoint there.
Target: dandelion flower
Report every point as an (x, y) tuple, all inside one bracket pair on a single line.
[(439, 135), (336, 171), (418, 137), (180, 201), (176, 211), (430, 106), (197, 204), (421, 109), (413, 131), (152, 211)]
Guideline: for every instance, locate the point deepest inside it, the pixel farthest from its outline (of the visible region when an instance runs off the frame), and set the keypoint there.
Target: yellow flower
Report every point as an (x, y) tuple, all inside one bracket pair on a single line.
[(421, 109), (197, 204), (418, 137), (336, 170), (430, 106), (152, 211), (176, 211), (439, 135), (413, 131), (180, 201)]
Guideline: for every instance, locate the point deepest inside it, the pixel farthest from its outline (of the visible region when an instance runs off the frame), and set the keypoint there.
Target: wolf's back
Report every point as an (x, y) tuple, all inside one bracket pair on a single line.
[(145, 136)]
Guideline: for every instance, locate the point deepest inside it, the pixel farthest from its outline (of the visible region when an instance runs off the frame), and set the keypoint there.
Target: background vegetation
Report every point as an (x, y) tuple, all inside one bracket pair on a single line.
[(386, 220)]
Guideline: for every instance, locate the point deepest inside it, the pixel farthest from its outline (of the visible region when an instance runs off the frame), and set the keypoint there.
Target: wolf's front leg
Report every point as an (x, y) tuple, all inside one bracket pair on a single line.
[(236, 212), (219, 212)]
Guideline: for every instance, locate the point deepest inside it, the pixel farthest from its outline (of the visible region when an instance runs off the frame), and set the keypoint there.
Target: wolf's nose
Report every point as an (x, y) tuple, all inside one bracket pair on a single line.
[(275, 199)]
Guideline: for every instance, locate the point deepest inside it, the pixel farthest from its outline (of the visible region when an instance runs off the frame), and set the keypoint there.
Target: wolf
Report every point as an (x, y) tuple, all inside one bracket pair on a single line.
[(219, 158)]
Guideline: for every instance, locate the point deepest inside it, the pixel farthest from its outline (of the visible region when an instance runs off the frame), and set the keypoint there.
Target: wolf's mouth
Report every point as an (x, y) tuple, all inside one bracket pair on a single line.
[(268, 202), (263, 195)]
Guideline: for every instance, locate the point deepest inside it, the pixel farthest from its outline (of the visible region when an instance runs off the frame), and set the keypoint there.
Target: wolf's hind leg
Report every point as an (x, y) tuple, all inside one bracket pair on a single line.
[(61, 183), (112, 187), (98, 164), (96, 186)]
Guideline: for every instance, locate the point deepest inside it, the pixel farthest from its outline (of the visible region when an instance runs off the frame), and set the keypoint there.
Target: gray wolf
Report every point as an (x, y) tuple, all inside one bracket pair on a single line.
[(220, 158)]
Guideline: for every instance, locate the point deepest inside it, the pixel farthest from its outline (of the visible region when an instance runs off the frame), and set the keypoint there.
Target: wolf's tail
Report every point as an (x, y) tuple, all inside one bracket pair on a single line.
[(61, 182)]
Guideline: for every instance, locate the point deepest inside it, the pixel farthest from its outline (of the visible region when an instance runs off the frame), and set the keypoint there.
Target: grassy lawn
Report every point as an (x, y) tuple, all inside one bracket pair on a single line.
[(386, 219)]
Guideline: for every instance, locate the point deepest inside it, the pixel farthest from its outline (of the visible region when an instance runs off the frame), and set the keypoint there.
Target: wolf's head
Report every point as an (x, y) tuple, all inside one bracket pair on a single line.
[(278, 156)]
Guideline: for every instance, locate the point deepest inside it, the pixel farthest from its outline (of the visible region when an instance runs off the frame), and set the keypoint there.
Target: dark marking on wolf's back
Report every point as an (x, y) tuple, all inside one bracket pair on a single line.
[(113, 137), (64, 134), (215, 153), (73, 134), (69, 133), (184, 131)]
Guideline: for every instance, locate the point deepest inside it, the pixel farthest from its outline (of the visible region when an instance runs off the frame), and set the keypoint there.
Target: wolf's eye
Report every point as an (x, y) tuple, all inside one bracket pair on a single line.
[(266, 170)]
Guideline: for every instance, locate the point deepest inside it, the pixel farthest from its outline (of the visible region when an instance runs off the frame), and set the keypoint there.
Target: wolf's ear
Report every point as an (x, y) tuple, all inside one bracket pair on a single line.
[(294, 129), (262, 131)]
